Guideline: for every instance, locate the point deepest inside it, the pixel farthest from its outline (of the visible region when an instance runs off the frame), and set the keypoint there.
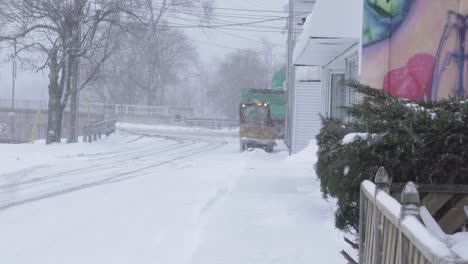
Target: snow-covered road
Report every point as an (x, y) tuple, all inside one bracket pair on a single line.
[(144, 199)]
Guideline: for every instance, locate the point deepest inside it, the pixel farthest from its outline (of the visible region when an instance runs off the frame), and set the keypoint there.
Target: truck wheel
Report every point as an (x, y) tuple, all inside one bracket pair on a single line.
[(242, 147)]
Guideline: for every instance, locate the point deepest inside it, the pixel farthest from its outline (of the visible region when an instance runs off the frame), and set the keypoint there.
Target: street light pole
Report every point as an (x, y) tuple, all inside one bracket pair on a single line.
[(12, 113)]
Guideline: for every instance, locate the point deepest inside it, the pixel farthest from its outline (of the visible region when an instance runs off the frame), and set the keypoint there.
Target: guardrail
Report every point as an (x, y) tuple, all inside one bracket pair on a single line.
[(94, 131), (212, 123), (100, 108), (24, 104), (390, 232)]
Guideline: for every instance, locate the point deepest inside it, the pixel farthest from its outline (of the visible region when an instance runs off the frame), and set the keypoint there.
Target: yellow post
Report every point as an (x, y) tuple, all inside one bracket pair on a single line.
[(33, 132)]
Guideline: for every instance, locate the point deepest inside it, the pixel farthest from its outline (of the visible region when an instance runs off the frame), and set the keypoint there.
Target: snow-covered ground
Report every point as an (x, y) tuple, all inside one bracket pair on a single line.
[(144, 199), (178, 131)]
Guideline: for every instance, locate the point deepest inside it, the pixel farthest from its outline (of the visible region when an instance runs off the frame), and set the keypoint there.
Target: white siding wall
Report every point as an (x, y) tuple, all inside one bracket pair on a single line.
[(301, 9), (306, 114)]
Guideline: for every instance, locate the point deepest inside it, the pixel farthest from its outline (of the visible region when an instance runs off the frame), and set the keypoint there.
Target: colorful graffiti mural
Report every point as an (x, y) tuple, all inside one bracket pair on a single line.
[(416, 49)]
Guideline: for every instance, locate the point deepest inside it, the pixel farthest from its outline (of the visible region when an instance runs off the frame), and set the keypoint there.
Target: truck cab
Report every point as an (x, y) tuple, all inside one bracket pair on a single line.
[(257, 129)]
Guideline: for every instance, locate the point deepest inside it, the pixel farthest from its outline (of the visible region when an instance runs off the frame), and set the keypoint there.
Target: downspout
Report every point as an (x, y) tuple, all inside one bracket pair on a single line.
[(290, 78)]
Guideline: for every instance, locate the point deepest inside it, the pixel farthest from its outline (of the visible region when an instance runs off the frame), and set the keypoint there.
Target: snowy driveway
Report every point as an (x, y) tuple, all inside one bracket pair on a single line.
[(135, 199)]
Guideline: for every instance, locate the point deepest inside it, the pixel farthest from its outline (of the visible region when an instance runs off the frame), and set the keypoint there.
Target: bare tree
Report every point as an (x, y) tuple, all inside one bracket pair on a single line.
[(140, 72), (165, 49), (243, 69), (151, 57), (64, 31)]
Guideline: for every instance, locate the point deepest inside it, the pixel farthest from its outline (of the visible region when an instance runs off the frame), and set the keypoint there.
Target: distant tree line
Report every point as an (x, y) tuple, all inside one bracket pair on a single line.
[(243, 69), (59, 35), (125, 52)]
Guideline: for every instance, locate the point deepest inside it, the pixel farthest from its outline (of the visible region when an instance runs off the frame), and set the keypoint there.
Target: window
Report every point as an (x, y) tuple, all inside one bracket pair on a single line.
[(338, 96), (254, 115), (352, 74)]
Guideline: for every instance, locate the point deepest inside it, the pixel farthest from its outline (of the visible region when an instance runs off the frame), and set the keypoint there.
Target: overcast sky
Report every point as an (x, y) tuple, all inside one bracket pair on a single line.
[(212, 43)]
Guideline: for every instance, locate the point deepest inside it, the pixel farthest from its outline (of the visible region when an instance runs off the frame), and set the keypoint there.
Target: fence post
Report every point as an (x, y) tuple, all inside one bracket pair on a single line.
[(84, 134), (410, 200), (362, 225), (382, 182), (410, 207), (465, 208)]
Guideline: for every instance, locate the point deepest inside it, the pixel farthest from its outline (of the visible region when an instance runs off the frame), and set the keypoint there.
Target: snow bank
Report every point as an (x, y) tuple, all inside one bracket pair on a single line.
[(172, 128), (308, 154), (176, 201)]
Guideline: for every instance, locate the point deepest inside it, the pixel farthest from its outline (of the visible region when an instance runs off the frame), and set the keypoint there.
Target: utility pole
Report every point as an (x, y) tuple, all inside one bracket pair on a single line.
[(74, 104), (289, 75), (74, 97), (12, 113)]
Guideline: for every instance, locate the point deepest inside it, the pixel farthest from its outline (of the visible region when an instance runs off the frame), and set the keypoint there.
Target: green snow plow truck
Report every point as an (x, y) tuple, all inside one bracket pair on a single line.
[(262, 118)]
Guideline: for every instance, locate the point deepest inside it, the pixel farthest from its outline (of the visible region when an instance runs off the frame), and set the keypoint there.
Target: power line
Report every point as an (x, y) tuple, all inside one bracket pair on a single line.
[(225, 21), (250, 25), (242, 37), (231, 24), (217, 45), (238, 29), (227, 15), (236, 9), (240, 13), (173, 25)]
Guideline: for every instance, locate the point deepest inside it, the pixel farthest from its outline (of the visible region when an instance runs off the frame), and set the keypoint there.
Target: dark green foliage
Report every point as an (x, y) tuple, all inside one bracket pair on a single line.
[(424, 142)]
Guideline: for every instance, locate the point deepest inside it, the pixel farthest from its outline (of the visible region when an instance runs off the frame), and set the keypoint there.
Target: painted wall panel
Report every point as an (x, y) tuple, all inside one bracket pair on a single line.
[(415, 49)]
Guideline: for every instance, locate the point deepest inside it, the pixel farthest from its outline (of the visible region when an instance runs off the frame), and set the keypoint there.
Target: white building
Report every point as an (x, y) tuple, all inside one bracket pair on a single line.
[(298, 127), (326, 53)]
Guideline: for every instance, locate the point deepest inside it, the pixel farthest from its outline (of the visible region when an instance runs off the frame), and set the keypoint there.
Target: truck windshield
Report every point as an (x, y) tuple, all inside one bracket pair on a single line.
[(254, 115)]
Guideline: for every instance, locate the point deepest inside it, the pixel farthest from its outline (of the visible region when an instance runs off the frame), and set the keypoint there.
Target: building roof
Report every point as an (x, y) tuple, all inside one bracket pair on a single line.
[(332, 28)]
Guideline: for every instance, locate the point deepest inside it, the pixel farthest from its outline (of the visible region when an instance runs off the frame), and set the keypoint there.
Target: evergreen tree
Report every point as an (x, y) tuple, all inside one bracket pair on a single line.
[(424, 142)]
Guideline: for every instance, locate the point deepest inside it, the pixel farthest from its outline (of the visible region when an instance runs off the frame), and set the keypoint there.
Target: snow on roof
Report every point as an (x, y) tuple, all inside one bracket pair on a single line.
[(331, 28)]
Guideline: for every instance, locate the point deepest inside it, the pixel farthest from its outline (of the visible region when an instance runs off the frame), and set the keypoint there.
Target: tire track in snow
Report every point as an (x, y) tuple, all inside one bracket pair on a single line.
[(110, 179), (107, 153), (94, 167)]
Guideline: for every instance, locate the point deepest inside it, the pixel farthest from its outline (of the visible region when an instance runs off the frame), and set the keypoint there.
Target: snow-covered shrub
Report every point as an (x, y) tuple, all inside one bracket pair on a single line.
[(424, 142)]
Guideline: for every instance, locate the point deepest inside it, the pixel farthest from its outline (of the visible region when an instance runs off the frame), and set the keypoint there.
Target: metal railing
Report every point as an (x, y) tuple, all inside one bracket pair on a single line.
[(137, 110), (212, 123), (94, 131), (97, 108), (24, 104), (390, 232)]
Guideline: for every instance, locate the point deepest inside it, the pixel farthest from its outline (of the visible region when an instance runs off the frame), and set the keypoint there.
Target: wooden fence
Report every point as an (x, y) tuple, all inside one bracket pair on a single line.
[(444, 201), (391, 232)]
